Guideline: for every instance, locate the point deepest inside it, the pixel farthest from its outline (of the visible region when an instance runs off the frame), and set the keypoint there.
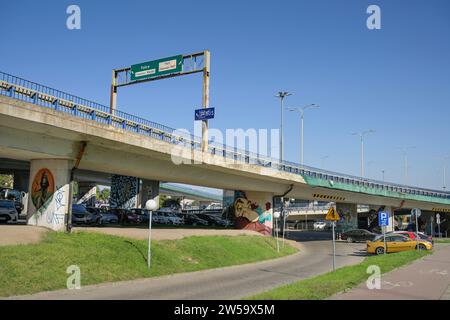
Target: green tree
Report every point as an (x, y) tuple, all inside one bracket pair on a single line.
[(6, 180)]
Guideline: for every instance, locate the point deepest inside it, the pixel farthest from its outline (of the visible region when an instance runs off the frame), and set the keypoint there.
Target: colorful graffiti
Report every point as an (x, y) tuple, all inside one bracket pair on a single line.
[(249, 215), (42, 188), (124, 191)]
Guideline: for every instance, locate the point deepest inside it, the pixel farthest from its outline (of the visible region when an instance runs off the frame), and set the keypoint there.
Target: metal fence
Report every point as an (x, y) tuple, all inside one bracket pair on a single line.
[(47, 97)]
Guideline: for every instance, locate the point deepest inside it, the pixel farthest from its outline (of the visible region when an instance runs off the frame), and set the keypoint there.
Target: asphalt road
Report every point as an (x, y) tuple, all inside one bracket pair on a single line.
[(230, 282)]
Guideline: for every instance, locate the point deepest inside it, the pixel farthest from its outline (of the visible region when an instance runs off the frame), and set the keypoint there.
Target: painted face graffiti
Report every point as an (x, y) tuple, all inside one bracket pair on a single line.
[(42, 188)]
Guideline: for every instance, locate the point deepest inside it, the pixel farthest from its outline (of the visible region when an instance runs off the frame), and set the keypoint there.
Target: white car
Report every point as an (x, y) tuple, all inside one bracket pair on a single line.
[(173, 219), (8, 212), (320, 225)]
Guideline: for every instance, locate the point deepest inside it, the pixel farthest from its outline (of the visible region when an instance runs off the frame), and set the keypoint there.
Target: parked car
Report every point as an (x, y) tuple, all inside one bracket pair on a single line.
[(412, 235), (213, 220), (356, 235), (426, 237), (409, 234), (396, 243), (8, 212), (14, 195), (80, 215), (142, 214), (107, 218), (159, 218), (171, 218), (194, 220), (321, 225)]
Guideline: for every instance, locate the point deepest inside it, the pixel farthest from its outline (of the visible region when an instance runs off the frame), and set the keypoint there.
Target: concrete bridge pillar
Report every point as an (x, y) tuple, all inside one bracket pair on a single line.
[(49, 193), (251, 210), (124, 192), (21, 183), (131, 192), (21, 180), (87, 193), (349, 214), (392, 220), (149, 189)]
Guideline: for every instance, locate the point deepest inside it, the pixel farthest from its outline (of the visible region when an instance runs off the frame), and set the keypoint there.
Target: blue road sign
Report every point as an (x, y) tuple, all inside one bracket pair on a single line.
[(204, 114), (383, 219)]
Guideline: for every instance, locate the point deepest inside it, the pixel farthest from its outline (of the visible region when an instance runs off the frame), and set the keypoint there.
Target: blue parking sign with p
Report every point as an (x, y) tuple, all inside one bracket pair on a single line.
[(383, 219)]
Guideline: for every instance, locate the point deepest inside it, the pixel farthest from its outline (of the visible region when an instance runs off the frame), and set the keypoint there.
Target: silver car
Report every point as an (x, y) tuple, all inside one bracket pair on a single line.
[(8, 212)]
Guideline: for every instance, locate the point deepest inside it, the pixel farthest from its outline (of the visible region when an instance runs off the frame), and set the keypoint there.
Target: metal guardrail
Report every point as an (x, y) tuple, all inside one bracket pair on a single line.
[(44, 96)]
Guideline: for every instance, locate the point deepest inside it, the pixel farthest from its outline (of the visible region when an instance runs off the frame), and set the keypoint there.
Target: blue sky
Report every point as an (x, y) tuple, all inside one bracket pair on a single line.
[(395, 80)]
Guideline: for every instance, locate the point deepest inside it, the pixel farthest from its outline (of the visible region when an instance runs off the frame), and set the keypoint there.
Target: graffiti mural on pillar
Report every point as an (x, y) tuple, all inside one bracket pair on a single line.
[(42, 188), (124, 191), (249, 215), (349, 218)]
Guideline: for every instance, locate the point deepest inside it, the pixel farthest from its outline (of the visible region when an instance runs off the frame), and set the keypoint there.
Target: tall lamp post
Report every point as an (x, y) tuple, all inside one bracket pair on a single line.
[(282, 95), (361, 136), (444, 176), (302, 119), (405, 160)]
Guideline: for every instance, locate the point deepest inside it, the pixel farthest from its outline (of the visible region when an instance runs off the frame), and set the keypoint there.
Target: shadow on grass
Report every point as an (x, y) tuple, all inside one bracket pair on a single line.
[(143, 254)]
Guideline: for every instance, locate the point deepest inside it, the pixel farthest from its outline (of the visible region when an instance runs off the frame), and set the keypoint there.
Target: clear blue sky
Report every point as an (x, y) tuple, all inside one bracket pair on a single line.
[(395, 80)]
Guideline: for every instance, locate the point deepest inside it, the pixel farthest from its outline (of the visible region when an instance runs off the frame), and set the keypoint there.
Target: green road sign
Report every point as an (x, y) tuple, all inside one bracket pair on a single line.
[(156, 68)]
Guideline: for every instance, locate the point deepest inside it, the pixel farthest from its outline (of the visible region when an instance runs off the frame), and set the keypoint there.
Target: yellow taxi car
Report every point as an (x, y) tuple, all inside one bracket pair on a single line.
[(396, 243)]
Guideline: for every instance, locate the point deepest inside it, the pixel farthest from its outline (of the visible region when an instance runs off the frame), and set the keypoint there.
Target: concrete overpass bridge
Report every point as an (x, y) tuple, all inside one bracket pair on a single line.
[(61, 135)]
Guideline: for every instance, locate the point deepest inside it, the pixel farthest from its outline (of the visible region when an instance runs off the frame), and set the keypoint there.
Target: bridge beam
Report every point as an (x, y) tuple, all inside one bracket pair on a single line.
[(50, 196)]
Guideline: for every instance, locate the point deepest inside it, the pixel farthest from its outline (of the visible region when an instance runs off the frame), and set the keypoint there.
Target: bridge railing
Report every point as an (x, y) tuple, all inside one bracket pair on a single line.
[(44, 96)]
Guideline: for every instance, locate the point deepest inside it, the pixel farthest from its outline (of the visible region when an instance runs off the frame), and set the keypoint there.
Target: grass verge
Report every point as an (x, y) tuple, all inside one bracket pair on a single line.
[(328, 284), (437, 240), (38, 267)]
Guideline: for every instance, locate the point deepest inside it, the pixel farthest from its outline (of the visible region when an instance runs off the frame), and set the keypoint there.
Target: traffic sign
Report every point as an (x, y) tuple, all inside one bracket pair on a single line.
[(416, 212), (156, 68), (383, 219), (204, 113), (332, 215), (438, 218)]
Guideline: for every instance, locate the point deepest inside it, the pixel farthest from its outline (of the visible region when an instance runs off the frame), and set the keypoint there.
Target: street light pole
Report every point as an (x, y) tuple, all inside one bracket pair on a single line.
[(445, 158), (282, 95), (405, 160), (302, 121), (361, 136), (382, 173)]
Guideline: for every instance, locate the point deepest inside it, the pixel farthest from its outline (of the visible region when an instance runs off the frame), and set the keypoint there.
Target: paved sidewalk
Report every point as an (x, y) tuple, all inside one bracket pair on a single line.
[(427, 278), (19, 234)]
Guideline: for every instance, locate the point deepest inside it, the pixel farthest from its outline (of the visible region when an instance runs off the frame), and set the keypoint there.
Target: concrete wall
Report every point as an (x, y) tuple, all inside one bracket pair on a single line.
[(49, 196)]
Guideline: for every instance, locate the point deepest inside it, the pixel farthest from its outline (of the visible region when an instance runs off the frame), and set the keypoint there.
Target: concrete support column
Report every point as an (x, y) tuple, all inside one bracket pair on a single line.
[(21, 180), (124, 192), (349, 214), (391, 212), (251, 210), (21, 183), (87, 193), (49, 197), (149, 189)]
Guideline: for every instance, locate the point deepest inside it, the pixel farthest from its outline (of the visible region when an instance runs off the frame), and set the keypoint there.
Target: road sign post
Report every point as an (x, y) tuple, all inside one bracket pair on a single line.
[(164, 68), (383, 222), (416, 212), (204, 114), (333, 216), (438, 222)]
